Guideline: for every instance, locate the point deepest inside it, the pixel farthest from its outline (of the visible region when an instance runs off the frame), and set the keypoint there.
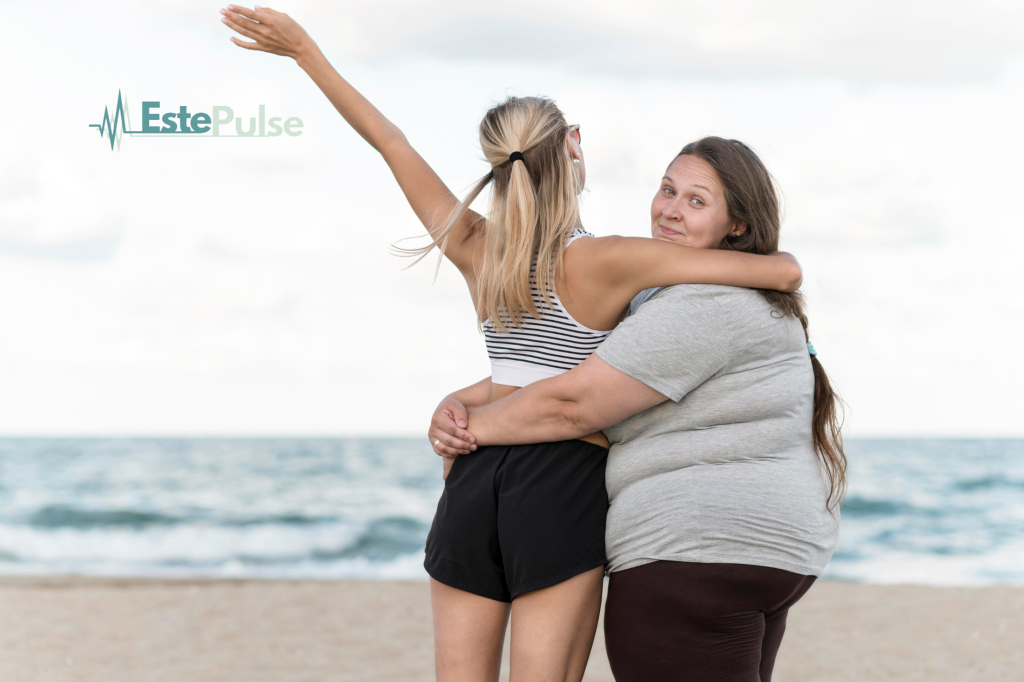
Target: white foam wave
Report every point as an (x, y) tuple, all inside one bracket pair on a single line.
[(406, 567), (185, 544), (1000, 566)]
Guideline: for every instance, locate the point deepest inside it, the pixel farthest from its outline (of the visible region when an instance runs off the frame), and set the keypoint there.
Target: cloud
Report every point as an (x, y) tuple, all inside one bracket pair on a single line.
[(90, 250), (875, 40)]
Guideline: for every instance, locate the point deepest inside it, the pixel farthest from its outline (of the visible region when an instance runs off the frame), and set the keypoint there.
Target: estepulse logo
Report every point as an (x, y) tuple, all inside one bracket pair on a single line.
[(183, 122)]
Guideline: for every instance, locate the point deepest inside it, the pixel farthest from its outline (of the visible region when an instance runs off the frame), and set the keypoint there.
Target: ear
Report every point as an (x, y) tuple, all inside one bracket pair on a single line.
[(738, 228), (574, 149)]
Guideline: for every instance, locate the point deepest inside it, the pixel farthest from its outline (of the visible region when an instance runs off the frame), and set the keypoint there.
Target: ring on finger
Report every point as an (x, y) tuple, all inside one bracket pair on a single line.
[(437, 442)]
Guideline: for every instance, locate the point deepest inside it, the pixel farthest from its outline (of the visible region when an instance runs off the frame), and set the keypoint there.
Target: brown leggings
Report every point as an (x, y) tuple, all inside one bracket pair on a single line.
[(688, 622)]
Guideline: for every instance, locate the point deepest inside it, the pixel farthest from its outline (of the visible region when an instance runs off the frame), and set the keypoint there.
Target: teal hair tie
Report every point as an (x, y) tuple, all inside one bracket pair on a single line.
[(810, 349)]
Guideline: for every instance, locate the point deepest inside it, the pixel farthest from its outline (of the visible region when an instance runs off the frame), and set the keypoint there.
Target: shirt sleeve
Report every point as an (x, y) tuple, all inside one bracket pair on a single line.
[(640, 299), (675, 342)]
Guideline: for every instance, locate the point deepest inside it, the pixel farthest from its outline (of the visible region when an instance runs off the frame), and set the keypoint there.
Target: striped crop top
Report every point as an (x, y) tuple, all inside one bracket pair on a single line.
[(543, 346)]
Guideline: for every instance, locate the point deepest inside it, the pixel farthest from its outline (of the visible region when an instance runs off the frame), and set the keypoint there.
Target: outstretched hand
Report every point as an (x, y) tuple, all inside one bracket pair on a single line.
[(273, 31)]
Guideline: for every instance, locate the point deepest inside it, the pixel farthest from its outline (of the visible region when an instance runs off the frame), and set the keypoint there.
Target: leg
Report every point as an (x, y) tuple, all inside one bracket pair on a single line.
[(468, 634), (696, 622), (553, 629), (552, 507), (775, 627), (469, 597)]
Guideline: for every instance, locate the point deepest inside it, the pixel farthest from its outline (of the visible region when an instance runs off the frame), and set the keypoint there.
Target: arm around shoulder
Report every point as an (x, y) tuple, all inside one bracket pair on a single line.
[(628, 265)]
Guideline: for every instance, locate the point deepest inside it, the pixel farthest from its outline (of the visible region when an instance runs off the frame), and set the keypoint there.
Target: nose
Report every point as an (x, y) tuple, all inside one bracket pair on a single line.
[(672, 211)]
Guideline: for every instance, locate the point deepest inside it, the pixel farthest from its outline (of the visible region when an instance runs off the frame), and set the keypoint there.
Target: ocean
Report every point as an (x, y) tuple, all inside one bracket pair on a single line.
[(937, 512)]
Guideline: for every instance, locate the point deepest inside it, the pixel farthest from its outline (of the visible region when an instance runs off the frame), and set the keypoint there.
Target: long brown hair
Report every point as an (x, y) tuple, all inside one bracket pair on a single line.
[(751, 196), (534, 208)]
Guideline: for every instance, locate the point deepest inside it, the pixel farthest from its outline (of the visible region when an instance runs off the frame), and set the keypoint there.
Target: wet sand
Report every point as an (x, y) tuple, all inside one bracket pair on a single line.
[(109, 630)]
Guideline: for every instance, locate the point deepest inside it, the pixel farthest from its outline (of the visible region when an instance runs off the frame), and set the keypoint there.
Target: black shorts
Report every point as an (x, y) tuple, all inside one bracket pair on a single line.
[(518, 518)]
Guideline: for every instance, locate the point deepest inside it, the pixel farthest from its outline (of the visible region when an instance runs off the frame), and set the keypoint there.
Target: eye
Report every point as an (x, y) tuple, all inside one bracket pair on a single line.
[(667, 190), (697, 201)]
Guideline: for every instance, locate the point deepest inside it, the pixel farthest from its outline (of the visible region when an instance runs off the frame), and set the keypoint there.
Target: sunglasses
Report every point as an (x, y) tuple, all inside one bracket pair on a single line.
[(574, 130)]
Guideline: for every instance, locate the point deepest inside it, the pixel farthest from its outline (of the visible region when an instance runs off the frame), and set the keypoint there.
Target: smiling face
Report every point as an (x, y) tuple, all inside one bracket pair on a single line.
[(690, 206)]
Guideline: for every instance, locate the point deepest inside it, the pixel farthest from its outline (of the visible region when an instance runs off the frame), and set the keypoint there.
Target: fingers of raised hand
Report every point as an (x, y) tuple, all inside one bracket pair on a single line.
[(248, 46), (261, 15), (249, 29), (267, 10)]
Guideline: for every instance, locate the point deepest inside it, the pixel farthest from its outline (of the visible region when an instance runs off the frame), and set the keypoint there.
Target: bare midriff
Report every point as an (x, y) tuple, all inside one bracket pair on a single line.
[(499, 391)]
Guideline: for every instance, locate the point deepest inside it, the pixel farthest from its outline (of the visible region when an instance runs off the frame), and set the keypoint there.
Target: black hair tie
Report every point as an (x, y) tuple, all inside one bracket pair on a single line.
[(516, 156)]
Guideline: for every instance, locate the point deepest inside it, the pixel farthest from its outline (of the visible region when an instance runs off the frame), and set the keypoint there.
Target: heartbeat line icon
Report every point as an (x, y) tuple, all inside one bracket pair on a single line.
[(110, 128), (182, 123)]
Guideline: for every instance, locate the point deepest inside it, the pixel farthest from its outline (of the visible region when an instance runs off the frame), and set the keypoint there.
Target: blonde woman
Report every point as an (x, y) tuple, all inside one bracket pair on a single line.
[(520, 530)]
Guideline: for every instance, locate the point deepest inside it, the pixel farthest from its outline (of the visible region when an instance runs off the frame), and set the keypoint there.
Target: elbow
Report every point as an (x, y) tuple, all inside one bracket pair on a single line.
[(393, 138), (575, 420), (793, 278)]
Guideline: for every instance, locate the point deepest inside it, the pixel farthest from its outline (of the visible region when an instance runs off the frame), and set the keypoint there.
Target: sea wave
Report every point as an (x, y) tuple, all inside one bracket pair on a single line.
[(216, 507), (918, 511)]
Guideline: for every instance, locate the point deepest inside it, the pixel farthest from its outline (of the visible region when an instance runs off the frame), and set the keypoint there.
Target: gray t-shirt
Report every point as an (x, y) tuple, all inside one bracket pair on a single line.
[(725, 471)]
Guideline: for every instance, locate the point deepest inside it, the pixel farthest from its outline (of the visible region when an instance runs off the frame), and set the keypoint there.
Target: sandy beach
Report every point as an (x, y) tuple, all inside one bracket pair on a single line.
[(55, 629)]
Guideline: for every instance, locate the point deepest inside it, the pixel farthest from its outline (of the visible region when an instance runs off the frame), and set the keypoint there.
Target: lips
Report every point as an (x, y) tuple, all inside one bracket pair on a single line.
[(668, 231)]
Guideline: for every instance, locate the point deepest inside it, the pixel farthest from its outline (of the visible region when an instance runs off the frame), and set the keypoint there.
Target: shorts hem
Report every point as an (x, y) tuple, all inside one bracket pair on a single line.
[(463, 585), (560, 578)]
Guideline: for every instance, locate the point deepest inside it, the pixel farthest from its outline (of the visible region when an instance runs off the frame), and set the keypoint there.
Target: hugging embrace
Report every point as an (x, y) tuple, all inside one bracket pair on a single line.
[(655, 410)]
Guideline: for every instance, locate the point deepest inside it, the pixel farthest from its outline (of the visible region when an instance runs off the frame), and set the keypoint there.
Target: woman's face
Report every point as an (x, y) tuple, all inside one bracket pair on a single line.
[(690, 207)]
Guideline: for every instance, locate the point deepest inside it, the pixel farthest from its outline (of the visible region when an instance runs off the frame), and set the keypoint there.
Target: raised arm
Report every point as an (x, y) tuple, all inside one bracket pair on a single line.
[(605, 273), (592, 396), (431, 200)]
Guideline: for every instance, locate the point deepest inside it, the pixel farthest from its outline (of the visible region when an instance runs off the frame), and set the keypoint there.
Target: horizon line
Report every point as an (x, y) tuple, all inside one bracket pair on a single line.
[(400, 435)]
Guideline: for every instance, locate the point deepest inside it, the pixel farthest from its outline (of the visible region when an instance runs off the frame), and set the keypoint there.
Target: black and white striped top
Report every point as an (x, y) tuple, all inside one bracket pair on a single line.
[(543, 346)]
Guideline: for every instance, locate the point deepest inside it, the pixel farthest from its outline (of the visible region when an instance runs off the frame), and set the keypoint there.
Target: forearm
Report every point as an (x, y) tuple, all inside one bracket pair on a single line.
[(428, 196), (735, 268), (534, 414), (584, 400), (635, 264), (371, 125), (477, 395)]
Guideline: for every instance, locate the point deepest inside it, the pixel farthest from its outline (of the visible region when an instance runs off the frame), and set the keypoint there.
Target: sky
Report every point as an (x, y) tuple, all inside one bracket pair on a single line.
[(233, 286)]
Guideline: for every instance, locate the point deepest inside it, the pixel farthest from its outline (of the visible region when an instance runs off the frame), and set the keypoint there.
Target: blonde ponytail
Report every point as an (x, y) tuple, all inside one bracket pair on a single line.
[(534, 207)]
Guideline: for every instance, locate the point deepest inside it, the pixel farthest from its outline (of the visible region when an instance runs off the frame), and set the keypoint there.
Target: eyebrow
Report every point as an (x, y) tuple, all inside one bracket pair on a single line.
[(706, 189)]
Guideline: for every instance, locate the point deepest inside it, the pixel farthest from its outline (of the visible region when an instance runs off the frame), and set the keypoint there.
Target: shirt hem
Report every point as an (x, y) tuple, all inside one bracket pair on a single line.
[(519, 374), (792, 567)]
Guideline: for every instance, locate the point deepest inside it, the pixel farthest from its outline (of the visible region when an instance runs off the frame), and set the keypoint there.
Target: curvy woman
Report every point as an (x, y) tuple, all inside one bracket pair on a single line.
[(726, 466), (520, 530)]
